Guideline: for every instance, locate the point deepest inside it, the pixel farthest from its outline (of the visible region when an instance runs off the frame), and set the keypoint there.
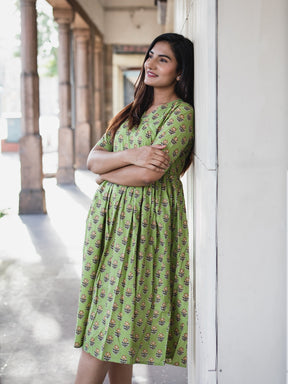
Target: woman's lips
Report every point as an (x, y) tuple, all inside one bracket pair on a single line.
[(151, 74)]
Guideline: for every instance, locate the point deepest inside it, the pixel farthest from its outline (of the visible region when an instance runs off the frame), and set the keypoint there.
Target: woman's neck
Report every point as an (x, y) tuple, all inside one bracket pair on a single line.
[(163, 98)]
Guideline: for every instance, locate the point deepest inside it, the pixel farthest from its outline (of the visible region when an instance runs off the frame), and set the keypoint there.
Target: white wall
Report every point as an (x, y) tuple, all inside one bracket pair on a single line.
[(131, 27), (247, 187), (131, 22), (197, 21), (253, 160)]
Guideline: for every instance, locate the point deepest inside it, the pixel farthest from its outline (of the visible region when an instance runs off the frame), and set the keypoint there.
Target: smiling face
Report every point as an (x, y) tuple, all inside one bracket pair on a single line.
[(161, 66)]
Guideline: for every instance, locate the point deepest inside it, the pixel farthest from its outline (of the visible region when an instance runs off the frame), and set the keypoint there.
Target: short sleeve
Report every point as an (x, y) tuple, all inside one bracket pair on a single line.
[(106, 142), (177, 132)]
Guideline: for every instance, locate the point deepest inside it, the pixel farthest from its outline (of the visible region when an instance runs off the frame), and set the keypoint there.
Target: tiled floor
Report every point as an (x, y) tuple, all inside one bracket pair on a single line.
[(40, 264)]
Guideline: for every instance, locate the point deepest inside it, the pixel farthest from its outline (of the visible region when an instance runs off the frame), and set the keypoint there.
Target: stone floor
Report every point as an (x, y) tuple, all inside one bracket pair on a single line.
[(40, 264)]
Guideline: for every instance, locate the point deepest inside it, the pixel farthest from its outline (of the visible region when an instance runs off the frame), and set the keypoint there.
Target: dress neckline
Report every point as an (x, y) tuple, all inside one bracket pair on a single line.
[(159, 106)]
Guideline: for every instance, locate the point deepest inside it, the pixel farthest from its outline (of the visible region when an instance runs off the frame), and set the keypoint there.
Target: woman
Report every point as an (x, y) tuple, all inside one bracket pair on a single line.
[(134, 295)]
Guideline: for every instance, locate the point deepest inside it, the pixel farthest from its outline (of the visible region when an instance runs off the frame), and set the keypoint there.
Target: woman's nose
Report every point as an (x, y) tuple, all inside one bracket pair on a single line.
[(150, 62)]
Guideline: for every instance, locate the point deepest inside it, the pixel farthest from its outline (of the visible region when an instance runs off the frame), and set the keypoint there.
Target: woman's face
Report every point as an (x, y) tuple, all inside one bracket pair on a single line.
[(160, 67)]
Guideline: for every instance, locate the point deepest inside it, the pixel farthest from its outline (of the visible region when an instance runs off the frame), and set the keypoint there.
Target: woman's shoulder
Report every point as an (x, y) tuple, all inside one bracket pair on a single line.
[(182, 111), (183, 106)]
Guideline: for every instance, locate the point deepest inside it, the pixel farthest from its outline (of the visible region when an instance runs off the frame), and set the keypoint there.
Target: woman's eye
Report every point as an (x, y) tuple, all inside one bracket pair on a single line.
[(163, 60)]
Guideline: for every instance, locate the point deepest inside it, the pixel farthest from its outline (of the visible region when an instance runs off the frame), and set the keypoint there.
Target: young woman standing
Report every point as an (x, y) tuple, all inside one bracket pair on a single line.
[(133, 304)]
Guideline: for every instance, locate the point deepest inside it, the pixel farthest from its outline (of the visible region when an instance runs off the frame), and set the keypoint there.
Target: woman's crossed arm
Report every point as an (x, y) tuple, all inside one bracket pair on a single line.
[(131, 167)]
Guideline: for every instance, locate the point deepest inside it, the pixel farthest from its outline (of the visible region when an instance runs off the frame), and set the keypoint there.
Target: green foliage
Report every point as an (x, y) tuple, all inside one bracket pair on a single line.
[(17, 53), (47, 44), (2, 213), (47, 33), (51, 63)]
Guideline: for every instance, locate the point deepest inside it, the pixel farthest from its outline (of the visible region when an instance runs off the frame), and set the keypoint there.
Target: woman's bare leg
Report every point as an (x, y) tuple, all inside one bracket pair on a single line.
[(120, 373), (91, 370)]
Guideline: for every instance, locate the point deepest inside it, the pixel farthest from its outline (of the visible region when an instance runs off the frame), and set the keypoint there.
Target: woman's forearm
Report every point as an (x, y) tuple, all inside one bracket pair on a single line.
[(132, 176), (101, 161), (152, 157)]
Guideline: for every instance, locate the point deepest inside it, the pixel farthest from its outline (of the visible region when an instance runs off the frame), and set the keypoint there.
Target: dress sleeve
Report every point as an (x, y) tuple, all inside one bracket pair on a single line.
[(106, 142), (177, 132)]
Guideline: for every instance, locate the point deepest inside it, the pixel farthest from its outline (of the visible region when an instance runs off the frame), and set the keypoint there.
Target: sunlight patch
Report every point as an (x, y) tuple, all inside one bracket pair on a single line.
[(46, 329)]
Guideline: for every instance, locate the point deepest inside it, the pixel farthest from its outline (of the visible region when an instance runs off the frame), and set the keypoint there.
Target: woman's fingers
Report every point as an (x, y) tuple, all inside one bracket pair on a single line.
[(160, 149), (159, 146), (152, 157), (159, 159), (162, 159), (160, 163)]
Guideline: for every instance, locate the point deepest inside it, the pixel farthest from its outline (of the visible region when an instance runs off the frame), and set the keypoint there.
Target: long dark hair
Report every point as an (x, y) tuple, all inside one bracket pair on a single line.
[(143, 96)]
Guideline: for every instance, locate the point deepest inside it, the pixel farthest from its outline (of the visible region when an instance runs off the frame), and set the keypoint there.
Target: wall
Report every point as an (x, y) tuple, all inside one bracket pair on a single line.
[(127, 22), (131, 27), (253, 159), (244, 244), (197, 20)]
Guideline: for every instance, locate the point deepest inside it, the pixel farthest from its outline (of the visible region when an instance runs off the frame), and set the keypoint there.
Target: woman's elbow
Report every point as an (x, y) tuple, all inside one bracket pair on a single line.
[(92, 165), (93, 162), (149, 176), (89, 164)]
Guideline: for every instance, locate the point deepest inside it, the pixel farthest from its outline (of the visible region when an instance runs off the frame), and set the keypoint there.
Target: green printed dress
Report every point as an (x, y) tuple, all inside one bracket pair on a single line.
[(133, 305)]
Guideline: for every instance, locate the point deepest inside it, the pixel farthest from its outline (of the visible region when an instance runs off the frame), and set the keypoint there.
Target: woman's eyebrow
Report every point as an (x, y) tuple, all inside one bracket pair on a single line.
[(161, 55)]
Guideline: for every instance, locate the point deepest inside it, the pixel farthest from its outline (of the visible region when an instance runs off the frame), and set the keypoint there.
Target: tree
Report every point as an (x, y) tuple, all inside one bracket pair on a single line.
[(47, 39)]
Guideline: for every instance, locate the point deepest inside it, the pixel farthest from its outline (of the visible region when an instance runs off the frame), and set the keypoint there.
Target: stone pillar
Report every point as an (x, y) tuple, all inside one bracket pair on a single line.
[(32, 195), (98, 89), (108, 58), (65, 173), (82, 129)]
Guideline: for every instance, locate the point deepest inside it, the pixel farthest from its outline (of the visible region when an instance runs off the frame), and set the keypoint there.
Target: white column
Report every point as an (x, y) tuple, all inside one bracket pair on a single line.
[(197, 21)]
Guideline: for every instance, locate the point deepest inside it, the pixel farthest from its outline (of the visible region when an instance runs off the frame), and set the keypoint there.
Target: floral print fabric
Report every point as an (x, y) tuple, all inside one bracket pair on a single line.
[(133, 305)]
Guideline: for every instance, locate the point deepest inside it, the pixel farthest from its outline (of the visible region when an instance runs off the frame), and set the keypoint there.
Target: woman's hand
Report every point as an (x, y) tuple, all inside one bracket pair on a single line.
[(152, 157)]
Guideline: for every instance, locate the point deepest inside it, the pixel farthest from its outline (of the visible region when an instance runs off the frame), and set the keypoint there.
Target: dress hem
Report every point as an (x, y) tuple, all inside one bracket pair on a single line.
[(133, 361)]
